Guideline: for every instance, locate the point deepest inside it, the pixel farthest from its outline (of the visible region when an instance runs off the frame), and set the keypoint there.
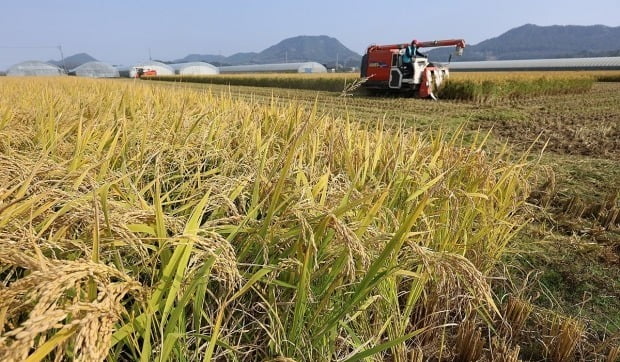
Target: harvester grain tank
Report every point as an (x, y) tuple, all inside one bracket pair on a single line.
[(401, 67)]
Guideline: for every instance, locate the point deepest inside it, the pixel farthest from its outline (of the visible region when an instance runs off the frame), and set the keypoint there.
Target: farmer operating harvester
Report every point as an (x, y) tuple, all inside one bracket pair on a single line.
[(401, 67)]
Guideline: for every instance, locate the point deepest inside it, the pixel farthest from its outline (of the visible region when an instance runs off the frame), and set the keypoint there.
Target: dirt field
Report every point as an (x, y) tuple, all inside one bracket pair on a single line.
[(573, 125)]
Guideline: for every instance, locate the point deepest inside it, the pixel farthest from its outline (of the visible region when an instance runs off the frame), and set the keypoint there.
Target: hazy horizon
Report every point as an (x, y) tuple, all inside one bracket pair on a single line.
[(123, 33)]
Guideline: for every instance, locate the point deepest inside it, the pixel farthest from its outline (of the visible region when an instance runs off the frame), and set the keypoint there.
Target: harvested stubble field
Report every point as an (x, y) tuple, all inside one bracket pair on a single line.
[(190, 221)]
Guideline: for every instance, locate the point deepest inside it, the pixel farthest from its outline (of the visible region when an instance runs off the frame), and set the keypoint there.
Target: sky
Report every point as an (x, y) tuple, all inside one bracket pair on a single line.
[(124, 32)]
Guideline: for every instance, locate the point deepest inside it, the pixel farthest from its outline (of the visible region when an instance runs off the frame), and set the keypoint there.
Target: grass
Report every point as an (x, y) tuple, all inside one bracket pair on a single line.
[(149, 223)]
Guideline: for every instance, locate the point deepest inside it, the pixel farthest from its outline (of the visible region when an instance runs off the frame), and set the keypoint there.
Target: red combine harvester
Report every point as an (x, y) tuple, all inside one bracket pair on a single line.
[(141, 72), (401, 67)]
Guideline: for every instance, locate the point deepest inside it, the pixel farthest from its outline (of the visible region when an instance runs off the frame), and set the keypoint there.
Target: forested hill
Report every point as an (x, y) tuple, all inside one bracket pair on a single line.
[(540, 42), (73, 61), (322, 49)]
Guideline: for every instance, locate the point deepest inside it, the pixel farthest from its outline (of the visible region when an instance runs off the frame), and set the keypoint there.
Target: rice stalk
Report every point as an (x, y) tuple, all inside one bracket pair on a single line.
[(208, 227)]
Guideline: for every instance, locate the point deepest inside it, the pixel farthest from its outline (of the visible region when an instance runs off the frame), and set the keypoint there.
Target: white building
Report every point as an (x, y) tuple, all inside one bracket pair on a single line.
[(195, 68), (308, 67), (95, 70), (34, 68)]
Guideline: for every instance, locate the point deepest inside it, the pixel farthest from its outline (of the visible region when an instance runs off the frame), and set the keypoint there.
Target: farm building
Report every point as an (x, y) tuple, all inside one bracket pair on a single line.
[(195, 68), (34, 68), (308, 67), (603, 63), (151, 68), (95, 70)]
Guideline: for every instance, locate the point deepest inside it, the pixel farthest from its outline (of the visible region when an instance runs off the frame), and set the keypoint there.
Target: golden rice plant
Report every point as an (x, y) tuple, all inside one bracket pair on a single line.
[(501, 89), (528, 75), (612, 77), (485, 87), (140, 222), (321, 82), (480, 87)]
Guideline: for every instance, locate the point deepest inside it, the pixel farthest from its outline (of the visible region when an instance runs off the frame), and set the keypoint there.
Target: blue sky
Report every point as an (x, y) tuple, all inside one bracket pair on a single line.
[(122, 32)]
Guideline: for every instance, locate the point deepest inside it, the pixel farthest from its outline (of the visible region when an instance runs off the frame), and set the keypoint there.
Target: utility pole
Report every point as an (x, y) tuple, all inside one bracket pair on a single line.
[(337, 61), (62, 58), (286, 56), (150, 58)]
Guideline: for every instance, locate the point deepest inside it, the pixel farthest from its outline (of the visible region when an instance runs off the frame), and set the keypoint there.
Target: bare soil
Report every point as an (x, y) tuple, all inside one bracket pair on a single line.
[(587, 125)]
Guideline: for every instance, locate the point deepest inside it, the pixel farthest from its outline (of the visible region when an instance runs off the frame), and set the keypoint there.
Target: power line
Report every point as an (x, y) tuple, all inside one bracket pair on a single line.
[(59, 47), (28, 47)]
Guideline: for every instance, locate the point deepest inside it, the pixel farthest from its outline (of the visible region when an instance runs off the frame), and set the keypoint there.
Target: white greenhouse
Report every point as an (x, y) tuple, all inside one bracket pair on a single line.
[(602, 63), (95, 70), (150, 68), (34, 68), (308, 67), (195, 68)]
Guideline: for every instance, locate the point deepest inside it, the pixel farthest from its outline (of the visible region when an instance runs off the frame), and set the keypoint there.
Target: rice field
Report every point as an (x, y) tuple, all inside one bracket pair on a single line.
[(480, 87), (490, 91), (330, 82), (159, 221), (141, 223), (534, 75), (497, 87)]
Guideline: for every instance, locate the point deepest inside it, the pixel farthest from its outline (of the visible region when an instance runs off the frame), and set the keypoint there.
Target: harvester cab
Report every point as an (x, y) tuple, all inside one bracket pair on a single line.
[(401, 67)]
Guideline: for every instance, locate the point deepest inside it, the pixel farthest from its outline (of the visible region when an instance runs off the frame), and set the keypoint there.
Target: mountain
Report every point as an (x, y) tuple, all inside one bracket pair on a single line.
[(201, 58), (73, 61), (539, 42), (525, 42), (321, 49), (242, 58)]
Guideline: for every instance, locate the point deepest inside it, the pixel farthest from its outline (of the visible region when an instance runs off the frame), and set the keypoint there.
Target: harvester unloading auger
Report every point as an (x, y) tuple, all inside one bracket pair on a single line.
[(401, 67)]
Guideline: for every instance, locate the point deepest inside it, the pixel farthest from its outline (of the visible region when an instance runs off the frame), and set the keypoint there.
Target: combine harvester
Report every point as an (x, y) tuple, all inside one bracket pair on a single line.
[(402, 68)]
